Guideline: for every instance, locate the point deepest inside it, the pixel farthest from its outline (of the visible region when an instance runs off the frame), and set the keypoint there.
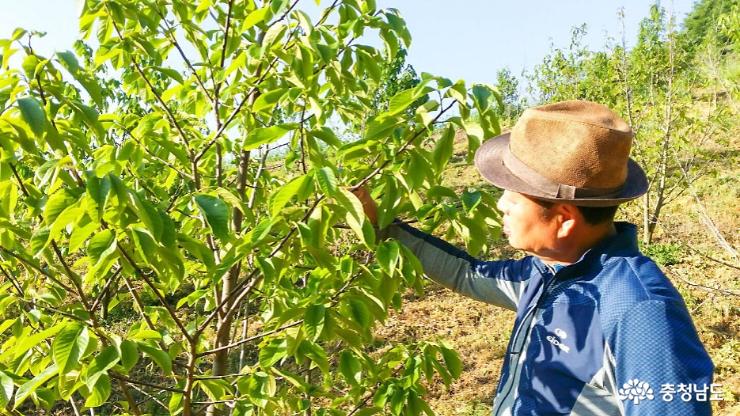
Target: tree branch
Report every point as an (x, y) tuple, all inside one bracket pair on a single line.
[(159, 296), (401, 150), (30, 264), (103, 291), (165, 107), (144, 383)]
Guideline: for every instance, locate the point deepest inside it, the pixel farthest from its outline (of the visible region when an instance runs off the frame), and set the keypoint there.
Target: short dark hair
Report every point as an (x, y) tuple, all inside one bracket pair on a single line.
[(592, 215), (598, 215)]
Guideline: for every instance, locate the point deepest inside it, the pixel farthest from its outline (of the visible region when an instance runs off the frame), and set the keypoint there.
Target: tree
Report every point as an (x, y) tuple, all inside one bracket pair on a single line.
[(653, 86), (152, 264), (512, 105)]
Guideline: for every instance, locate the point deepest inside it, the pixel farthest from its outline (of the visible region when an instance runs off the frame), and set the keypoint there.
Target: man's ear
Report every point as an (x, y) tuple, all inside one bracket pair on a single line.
[(568, 217)]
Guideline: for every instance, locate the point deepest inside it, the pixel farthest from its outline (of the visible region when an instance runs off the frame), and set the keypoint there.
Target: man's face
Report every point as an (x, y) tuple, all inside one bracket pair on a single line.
[(528, 225)]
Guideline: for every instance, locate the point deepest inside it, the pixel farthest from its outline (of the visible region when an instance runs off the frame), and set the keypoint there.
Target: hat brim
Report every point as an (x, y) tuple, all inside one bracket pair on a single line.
[(489, 161)]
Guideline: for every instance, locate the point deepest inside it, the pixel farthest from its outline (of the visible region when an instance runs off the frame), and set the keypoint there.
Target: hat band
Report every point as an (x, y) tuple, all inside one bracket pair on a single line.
[(550, 188)]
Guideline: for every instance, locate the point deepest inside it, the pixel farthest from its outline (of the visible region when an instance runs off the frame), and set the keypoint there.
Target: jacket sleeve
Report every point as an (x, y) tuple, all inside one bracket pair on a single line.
[(656, 343), (499, 283)]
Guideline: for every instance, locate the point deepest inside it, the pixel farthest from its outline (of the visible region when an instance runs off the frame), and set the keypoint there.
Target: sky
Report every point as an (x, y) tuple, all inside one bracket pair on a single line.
[(462, 39)]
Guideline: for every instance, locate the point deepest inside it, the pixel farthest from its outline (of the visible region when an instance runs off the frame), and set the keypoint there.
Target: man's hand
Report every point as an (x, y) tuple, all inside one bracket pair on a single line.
[(368, 204)]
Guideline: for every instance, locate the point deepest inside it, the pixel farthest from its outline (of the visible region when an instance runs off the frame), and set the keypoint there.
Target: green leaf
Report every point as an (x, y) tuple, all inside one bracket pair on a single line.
[(350, 367), (6, 389), (482, 97), (359, 312), (285, 194), (101, 245), (327, 181), (215, 389), (30, 386), (69, 60), (69, 345), (98, 189), (40, 240), (101, 364), (129, 354), (192, 298), (28, 342), (89, 116), (452, 361), (216, 214), (148, 214), (471, 200), (402, 100), (100, 392), (388, 255), (264, 135), (254, 18), (58, 202), (260, 231), (381, 126), (162, 358), (80, 234), (443, 149), (313, 321), (170, 73), (69, 216), (33, 114), (268, 100), (355, 215), (316, 354), (272, 352), (327, 136)]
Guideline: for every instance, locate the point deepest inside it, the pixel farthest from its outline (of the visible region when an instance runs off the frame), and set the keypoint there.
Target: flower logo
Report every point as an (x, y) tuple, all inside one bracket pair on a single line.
[(636, 391)]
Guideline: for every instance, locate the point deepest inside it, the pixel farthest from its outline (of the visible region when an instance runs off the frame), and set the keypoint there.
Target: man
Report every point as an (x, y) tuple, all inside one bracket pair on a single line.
[(599, 329)]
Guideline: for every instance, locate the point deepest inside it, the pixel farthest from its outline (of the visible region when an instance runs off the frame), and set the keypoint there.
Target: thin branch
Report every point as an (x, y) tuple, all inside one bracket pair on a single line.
[(12, 279), (302, 138), (184, 57), (129, 398), (334, 301), (733, 266), (104, 290), (159, 296), (248, 96), (138, 302), (74, 407), (249, 339), (165, 107), (704, 287), (30, 264), (217, 86), (154, 156), (145, 393), (145, 383), (250, 280), (54, 310), (260, 168), (246, 285), (401, 150)]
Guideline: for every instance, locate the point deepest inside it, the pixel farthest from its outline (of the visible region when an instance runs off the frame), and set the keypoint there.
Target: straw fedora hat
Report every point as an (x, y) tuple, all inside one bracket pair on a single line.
[(574, 152)]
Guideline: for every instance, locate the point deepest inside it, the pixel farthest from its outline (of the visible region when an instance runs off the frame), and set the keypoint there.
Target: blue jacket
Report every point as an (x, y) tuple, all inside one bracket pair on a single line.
[(602, 336)]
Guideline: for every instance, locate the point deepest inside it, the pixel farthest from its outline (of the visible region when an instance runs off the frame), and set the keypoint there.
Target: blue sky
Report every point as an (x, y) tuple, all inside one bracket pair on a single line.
[(468, 39)]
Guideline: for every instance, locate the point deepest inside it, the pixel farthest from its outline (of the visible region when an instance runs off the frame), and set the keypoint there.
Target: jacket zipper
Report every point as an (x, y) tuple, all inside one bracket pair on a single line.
[(515, 365)]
